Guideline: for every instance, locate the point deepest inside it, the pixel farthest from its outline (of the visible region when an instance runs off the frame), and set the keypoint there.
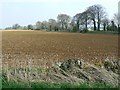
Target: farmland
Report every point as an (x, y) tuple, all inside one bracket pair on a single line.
[(79, 50), (31, 56), (44, 48)]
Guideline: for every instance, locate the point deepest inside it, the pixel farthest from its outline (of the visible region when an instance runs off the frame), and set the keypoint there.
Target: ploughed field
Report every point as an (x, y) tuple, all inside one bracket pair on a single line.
[(41, 48)]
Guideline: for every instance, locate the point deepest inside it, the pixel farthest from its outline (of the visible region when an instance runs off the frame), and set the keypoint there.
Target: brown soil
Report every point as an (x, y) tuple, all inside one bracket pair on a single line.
[(43, 48)]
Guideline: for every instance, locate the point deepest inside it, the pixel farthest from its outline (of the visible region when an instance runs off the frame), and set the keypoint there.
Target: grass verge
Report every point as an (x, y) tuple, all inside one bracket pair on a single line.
[(53, 85)]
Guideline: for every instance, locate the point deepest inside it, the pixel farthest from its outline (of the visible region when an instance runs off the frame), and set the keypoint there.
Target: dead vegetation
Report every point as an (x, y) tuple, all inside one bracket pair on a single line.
[(69, 71)]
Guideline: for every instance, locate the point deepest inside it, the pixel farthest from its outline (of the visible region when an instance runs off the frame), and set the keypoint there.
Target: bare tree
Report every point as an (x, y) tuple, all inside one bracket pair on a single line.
[(96, 13), (52, 24), (92, 15), (63, 19), (30, 27), (100, 14), (85, 18), (76, 20), (72, 26), (8, 28), (16, 26), (25, 27), (44, 25), (105, 23), (81, 20), (38, 25)]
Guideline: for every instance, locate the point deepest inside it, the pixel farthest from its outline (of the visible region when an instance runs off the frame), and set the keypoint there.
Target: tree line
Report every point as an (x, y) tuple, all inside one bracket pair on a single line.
[(93, 18)]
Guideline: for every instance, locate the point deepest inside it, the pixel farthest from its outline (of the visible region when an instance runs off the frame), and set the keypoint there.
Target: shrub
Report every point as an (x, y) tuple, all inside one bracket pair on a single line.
[(84, 30), (74, 29)]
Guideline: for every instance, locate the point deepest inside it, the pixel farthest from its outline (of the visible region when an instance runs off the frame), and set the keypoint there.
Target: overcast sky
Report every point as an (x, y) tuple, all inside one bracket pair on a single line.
[(26, 12)]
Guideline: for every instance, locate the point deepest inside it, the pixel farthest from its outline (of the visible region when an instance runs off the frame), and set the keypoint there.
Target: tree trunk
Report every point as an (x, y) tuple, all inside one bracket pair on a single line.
[(62, 26), (86, 25), (50, 27), (94, 24), (66, 27), (118, 28), (78, 25), (98, 25), (104, 27), (98, 22)]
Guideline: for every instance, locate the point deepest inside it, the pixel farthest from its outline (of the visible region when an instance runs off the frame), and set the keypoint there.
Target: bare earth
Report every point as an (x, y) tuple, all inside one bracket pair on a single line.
[(44, 48)]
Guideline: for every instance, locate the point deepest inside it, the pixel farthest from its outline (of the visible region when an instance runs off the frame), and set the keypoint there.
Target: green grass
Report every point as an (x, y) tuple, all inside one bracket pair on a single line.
[(14, 85), (0, 85), (102, 32), (53, 85)]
